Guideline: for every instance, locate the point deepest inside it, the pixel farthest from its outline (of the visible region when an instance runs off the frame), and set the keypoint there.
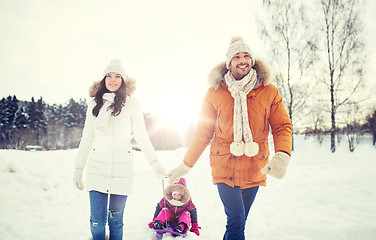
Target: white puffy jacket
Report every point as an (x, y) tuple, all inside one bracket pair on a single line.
[(107, 155)]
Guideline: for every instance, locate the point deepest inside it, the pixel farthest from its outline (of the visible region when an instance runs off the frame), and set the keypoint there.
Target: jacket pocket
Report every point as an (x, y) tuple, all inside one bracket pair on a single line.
[(258, 162), (220, 160), (266, 121), (219, 121)]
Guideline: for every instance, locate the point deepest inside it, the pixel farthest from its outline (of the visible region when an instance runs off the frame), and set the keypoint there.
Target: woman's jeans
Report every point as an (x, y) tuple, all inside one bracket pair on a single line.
[(237, 203), (99, 207)]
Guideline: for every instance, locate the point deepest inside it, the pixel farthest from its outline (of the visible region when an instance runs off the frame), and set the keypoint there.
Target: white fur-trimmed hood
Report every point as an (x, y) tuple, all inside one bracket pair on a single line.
[(217, 74), (180, 187), (130, 85)]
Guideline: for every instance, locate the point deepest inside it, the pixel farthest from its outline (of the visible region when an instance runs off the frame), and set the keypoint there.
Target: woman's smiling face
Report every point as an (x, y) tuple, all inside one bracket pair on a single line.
[(113, 81)]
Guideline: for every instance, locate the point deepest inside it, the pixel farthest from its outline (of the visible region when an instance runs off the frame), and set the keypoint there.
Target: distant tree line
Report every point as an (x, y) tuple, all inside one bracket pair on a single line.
[(353, 129), (24, 124)]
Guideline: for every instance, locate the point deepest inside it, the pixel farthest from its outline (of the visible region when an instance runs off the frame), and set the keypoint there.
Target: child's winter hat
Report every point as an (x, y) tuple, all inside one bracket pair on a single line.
[(180, 187), (237, 45), (115, 66)]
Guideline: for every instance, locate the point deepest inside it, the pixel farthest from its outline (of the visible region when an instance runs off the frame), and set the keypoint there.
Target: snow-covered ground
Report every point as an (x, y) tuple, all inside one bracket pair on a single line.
[(323, 196)]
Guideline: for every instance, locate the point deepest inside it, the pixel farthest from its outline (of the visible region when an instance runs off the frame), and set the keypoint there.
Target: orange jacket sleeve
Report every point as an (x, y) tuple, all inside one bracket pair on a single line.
[(204, 131), (281, 126)]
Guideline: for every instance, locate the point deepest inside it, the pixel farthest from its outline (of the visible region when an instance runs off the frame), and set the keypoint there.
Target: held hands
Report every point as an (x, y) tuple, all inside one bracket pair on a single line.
[(160, 171), (277, 166), (177, 172), (77, 178)]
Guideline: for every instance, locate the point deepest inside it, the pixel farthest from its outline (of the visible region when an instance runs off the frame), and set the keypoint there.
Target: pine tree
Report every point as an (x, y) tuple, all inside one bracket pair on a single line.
[(37, 120), (55, 126), (21, 133), (371, 119), (2, 122), (20, 118), (8, 109), (75, 113)]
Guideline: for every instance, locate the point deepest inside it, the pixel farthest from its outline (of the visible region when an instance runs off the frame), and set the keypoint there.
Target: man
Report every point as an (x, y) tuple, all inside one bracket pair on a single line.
[(238, 109)]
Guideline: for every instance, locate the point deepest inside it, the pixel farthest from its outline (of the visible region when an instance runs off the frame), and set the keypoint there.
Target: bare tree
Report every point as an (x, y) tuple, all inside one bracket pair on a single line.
[(292, 43), (344, 46), (371, 123), (352, 116), (316, 124)]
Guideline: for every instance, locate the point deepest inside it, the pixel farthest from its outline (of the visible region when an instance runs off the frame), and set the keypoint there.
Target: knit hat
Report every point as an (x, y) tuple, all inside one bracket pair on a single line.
[(114, 66), (237, 45)]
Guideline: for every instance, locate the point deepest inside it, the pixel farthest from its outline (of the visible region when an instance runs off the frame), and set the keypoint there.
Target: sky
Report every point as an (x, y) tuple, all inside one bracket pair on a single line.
[(57, 49)]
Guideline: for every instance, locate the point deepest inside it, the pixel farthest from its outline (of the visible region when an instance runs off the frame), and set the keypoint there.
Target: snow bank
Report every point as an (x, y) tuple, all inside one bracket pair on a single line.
[(323, 196)]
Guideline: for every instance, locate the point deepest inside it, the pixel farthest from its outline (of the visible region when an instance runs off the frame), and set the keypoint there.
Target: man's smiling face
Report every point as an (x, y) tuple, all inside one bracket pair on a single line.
[(240, 65)]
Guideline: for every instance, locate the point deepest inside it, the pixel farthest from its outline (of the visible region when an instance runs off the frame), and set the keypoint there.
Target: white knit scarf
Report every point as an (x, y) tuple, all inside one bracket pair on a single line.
[(239, 90), (104, 115)]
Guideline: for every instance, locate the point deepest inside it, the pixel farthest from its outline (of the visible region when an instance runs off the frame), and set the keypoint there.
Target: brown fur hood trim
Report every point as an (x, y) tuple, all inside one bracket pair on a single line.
[(130, 85), (216, 75), (180, 187)]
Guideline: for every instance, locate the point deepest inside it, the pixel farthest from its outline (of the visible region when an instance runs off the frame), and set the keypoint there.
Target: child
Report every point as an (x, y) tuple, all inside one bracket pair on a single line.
[(176, 207)]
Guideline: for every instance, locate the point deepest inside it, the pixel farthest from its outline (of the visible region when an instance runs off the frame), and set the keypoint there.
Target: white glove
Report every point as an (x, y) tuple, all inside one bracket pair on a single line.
[(177, 172), (277, 166), (160, 171), (77, 178)]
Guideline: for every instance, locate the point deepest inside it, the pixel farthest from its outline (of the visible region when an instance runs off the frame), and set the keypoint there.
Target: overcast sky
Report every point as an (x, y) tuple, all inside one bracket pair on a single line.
[(56, 49)]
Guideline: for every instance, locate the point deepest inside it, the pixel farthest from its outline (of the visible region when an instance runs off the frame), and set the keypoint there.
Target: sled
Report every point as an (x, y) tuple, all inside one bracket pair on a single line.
[(170, 229)]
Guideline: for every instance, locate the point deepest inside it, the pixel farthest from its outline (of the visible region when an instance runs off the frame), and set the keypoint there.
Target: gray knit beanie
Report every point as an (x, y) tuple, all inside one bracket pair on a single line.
[(237, 45), (114, 66)]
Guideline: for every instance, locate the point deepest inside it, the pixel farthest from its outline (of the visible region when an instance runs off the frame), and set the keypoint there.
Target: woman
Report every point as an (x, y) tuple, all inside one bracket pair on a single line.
[(106, 151)]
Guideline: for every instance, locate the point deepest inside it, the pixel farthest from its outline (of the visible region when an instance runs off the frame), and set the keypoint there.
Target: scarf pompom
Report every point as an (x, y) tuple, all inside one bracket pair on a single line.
[(251, 149), (237, 148)]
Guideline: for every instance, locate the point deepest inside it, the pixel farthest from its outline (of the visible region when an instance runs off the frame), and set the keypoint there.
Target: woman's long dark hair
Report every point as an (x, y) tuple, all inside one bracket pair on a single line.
[(119, 100)]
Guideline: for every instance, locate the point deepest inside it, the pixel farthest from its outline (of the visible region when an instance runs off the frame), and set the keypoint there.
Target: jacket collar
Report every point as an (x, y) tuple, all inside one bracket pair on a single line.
[(217, 74)]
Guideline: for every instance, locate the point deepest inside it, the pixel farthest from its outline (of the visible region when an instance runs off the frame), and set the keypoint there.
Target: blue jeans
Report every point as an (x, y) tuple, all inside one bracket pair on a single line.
[(237, 203), (98, 215)]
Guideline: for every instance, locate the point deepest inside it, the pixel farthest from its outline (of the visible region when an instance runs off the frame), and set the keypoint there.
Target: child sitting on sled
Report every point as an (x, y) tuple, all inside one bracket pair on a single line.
[(176, 207)]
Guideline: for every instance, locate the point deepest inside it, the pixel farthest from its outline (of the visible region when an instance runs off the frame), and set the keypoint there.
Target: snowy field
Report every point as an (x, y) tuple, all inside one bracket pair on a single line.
[(323, 196)]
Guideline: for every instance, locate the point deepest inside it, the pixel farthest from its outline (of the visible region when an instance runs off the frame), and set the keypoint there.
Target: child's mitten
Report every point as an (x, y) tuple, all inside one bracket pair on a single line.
[(277, 166), (195, 228)]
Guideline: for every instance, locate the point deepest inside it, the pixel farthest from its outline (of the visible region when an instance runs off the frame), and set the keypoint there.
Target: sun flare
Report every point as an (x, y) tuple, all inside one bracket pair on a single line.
[(177, 111)]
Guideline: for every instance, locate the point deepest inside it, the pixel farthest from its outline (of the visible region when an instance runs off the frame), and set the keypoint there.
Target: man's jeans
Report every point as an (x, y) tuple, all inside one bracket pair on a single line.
[(99, 208), (237, 203)]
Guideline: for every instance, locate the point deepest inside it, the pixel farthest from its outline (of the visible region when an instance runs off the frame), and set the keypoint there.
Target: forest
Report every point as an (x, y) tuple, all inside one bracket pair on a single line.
[(36, 125), (30, 125)]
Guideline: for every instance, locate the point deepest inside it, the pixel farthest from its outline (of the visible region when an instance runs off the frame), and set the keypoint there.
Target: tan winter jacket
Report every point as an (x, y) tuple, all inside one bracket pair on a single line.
[(265, 108)]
